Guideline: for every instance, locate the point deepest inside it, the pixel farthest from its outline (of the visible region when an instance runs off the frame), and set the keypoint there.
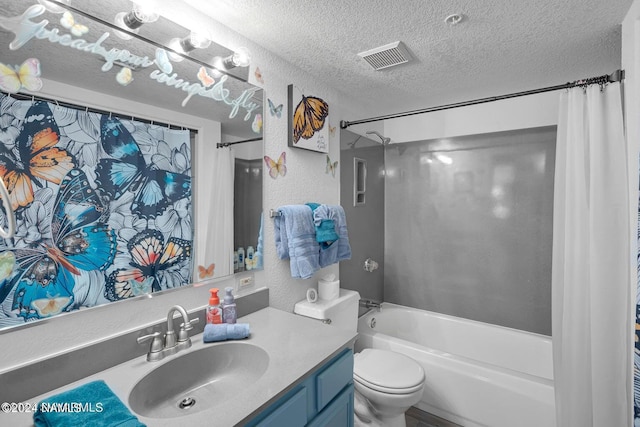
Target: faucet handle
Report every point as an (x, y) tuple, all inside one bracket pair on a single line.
[(183, 336), (189, 325), (156, 344)]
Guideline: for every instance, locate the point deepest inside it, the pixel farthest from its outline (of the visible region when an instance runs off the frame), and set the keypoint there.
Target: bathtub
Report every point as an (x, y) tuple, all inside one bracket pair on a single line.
[(477, 374)]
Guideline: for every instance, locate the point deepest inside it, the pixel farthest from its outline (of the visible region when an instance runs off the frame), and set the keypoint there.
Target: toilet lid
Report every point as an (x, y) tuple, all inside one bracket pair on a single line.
[(387, 371)]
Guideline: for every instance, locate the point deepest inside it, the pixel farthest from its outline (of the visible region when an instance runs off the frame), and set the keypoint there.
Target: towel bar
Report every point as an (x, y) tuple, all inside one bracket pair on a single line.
[(273, 213)]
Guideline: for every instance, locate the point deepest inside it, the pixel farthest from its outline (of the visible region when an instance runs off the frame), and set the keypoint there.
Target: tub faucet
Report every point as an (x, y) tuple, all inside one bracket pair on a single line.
[(171, 345), (368, 303)]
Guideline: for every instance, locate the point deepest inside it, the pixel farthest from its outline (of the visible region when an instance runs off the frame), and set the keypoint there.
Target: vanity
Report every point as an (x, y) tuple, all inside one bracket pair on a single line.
[(294, 371)]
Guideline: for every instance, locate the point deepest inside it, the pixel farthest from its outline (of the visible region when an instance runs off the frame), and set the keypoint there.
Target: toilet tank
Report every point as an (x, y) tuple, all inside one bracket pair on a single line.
[(342, 311)]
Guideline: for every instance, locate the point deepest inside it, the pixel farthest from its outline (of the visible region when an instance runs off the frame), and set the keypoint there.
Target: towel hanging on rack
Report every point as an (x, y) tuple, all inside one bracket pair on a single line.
[(296, 239)]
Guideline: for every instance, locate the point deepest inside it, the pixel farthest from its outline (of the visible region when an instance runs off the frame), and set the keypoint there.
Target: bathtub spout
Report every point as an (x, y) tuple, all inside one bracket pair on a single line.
[(368, 303)]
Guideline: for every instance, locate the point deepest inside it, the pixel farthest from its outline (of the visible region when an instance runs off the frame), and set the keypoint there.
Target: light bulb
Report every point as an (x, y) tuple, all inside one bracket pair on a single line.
[(241, 57), (195, 41), (140, 14), (144, 13)]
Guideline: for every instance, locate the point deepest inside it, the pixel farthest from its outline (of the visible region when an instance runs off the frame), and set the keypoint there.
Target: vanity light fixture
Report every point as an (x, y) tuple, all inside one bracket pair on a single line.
[(186, 44), (241, 58), (140, 14)]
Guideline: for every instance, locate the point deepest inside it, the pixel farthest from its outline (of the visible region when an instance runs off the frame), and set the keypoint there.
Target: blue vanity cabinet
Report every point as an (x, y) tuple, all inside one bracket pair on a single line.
[(324, 399)]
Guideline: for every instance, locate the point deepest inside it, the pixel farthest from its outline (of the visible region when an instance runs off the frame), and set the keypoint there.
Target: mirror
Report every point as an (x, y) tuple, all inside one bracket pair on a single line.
[(108, 158)]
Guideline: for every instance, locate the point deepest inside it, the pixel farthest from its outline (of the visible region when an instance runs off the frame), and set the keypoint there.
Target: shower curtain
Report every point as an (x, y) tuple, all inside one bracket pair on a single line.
[(103, 209), (591, 246), (216, 200)]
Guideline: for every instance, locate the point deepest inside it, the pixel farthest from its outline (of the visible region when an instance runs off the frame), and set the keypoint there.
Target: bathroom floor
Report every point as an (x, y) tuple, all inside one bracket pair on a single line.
[(417, 418)]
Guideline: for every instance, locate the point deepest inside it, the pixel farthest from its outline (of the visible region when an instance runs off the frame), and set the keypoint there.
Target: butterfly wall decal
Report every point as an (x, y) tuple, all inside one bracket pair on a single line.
[(155, 189), (258, 75), (150, 256), (163, 62), (27, 76), (69, 22), (124, 76), (251, 263), (332, 131), (35, 157), (331, 167), (308, 117), (256, 126), (277, 168), (80, 241), (205, 272), (205, 78), (275, 111)]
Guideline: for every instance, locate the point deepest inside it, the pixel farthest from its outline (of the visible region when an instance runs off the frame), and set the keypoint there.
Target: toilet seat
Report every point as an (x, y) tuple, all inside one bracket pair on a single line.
[(387, 371)]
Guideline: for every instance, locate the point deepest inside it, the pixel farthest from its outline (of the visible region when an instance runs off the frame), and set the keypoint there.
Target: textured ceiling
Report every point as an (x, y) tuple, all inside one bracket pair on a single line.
[(502, 46)]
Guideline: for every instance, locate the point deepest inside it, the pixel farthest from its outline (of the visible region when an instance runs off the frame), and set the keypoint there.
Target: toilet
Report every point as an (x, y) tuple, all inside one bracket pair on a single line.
[(386, 383)]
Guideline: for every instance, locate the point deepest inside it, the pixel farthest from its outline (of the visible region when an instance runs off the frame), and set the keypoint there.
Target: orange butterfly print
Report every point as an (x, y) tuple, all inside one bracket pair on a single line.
[(35, 157), (276, 168), (206, 272), (309, 117)]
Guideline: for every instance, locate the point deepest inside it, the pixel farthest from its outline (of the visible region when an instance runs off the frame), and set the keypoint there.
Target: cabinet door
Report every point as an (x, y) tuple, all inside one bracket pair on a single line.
[(339, 413), (333, 378), (291, 413)]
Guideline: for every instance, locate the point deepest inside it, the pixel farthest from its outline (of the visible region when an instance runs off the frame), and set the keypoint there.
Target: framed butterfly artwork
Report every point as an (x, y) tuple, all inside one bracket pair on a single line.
[(308, 121)]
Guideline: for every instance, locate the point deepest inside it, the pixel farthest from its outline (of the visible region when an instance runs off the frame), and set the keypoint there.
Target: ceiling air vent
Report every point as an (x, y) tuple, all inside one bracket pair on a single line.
[(386, 56)]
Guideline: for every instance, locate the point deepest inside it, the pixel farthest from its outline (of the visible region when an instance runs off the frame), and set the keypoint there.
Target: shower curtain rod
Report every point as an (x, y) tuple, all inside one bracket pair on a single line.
[(226, 144), (616, 76), (26, 97)]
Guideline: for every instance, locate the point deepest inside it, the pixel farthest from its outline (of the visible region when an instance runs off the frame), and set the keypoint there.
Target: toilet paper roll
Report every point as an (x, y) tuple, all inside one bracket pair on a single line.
[(328, 290), (312, 295)]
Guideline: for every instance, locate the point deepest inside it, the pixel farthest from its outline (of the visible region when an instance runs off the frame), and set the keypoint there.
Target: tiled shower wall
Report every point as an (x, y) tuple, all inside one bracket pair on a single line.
[(468, 227)]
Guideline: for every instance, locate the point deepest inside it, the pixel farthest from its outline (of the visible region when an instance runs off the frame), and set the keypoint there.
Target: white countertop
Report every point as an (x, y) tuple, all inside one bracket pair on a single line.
[(295, 345)]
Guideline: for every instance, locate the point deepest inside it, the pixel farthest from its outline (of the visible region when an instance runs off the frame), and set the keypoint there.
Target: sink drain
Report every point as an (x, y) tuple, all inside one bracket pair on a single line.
[(186, 403)]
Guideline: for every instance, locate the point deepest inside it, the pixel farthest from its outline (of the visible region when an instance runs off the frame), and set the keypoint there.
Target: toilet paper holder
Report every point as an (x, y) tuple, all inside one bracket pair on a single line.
[(370, 265)]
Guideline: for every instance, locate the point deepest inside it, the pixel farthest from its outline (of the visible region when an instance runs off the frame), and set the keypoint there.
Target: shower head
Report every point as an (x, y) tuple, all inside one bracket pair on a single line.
[(384, 140)]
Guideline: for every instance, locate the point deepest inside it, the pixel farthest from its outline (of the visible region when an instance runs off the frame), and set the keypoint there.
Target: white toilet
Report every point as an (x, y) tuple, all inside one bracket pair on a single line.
[(386, 383)]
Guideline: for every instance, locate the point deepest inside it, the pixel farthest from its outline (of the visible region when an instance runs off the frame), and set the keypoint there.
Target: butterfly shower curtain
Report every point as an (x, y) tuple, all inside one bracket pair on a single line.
[(103, 209)]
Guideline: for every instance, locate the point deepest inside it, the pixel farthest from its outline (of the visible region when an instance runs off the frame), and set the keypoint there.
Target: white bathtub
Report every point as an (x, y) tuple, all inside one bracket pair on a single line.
[(477, 374)]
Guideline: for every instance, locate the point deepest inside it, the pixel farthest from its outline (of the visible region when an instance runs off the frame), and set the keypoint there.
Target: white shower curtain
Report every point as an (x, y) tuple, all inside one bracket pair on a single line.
[(591, 247), (215, 222)]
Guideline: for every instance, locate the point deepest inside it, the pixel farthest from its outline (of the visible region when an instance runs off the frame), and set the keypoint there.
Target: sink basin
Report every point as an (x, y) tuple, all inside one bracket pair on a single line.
[(192, 382)]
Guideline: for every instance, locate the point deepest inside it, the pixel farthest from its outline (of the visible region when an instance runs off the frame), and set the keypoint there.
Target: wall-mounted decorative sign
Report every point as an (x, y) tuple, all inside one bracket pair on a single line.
[(307, 118)]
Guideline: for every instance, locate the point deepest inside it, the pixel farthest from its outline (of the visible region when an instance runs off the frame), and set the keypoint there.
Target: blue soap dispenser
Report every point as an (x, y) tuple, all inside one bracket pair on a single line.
[(229, 313)]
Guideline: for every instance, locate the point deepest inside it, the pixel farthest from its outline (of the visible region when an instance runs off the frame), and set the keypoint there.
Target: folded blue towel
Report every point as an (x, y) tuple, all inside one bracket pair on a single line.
[(340, 250), (324, 222), (225, 331), (92, 404), (295, 236)]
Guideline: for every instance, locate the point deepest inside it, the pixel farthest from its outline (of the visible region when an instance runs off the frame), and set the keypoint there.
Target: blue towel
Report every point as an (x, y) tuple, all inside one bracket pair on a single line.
[(92, 404), (324, 221), (295, 236), (225, 331), (340, 250)]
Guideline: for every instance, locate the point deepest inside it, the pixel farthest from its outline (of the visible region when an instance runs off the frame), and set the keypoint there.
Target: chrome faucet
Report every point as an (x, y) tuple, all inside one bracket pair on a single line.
[(170, 345), (368, 303)]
